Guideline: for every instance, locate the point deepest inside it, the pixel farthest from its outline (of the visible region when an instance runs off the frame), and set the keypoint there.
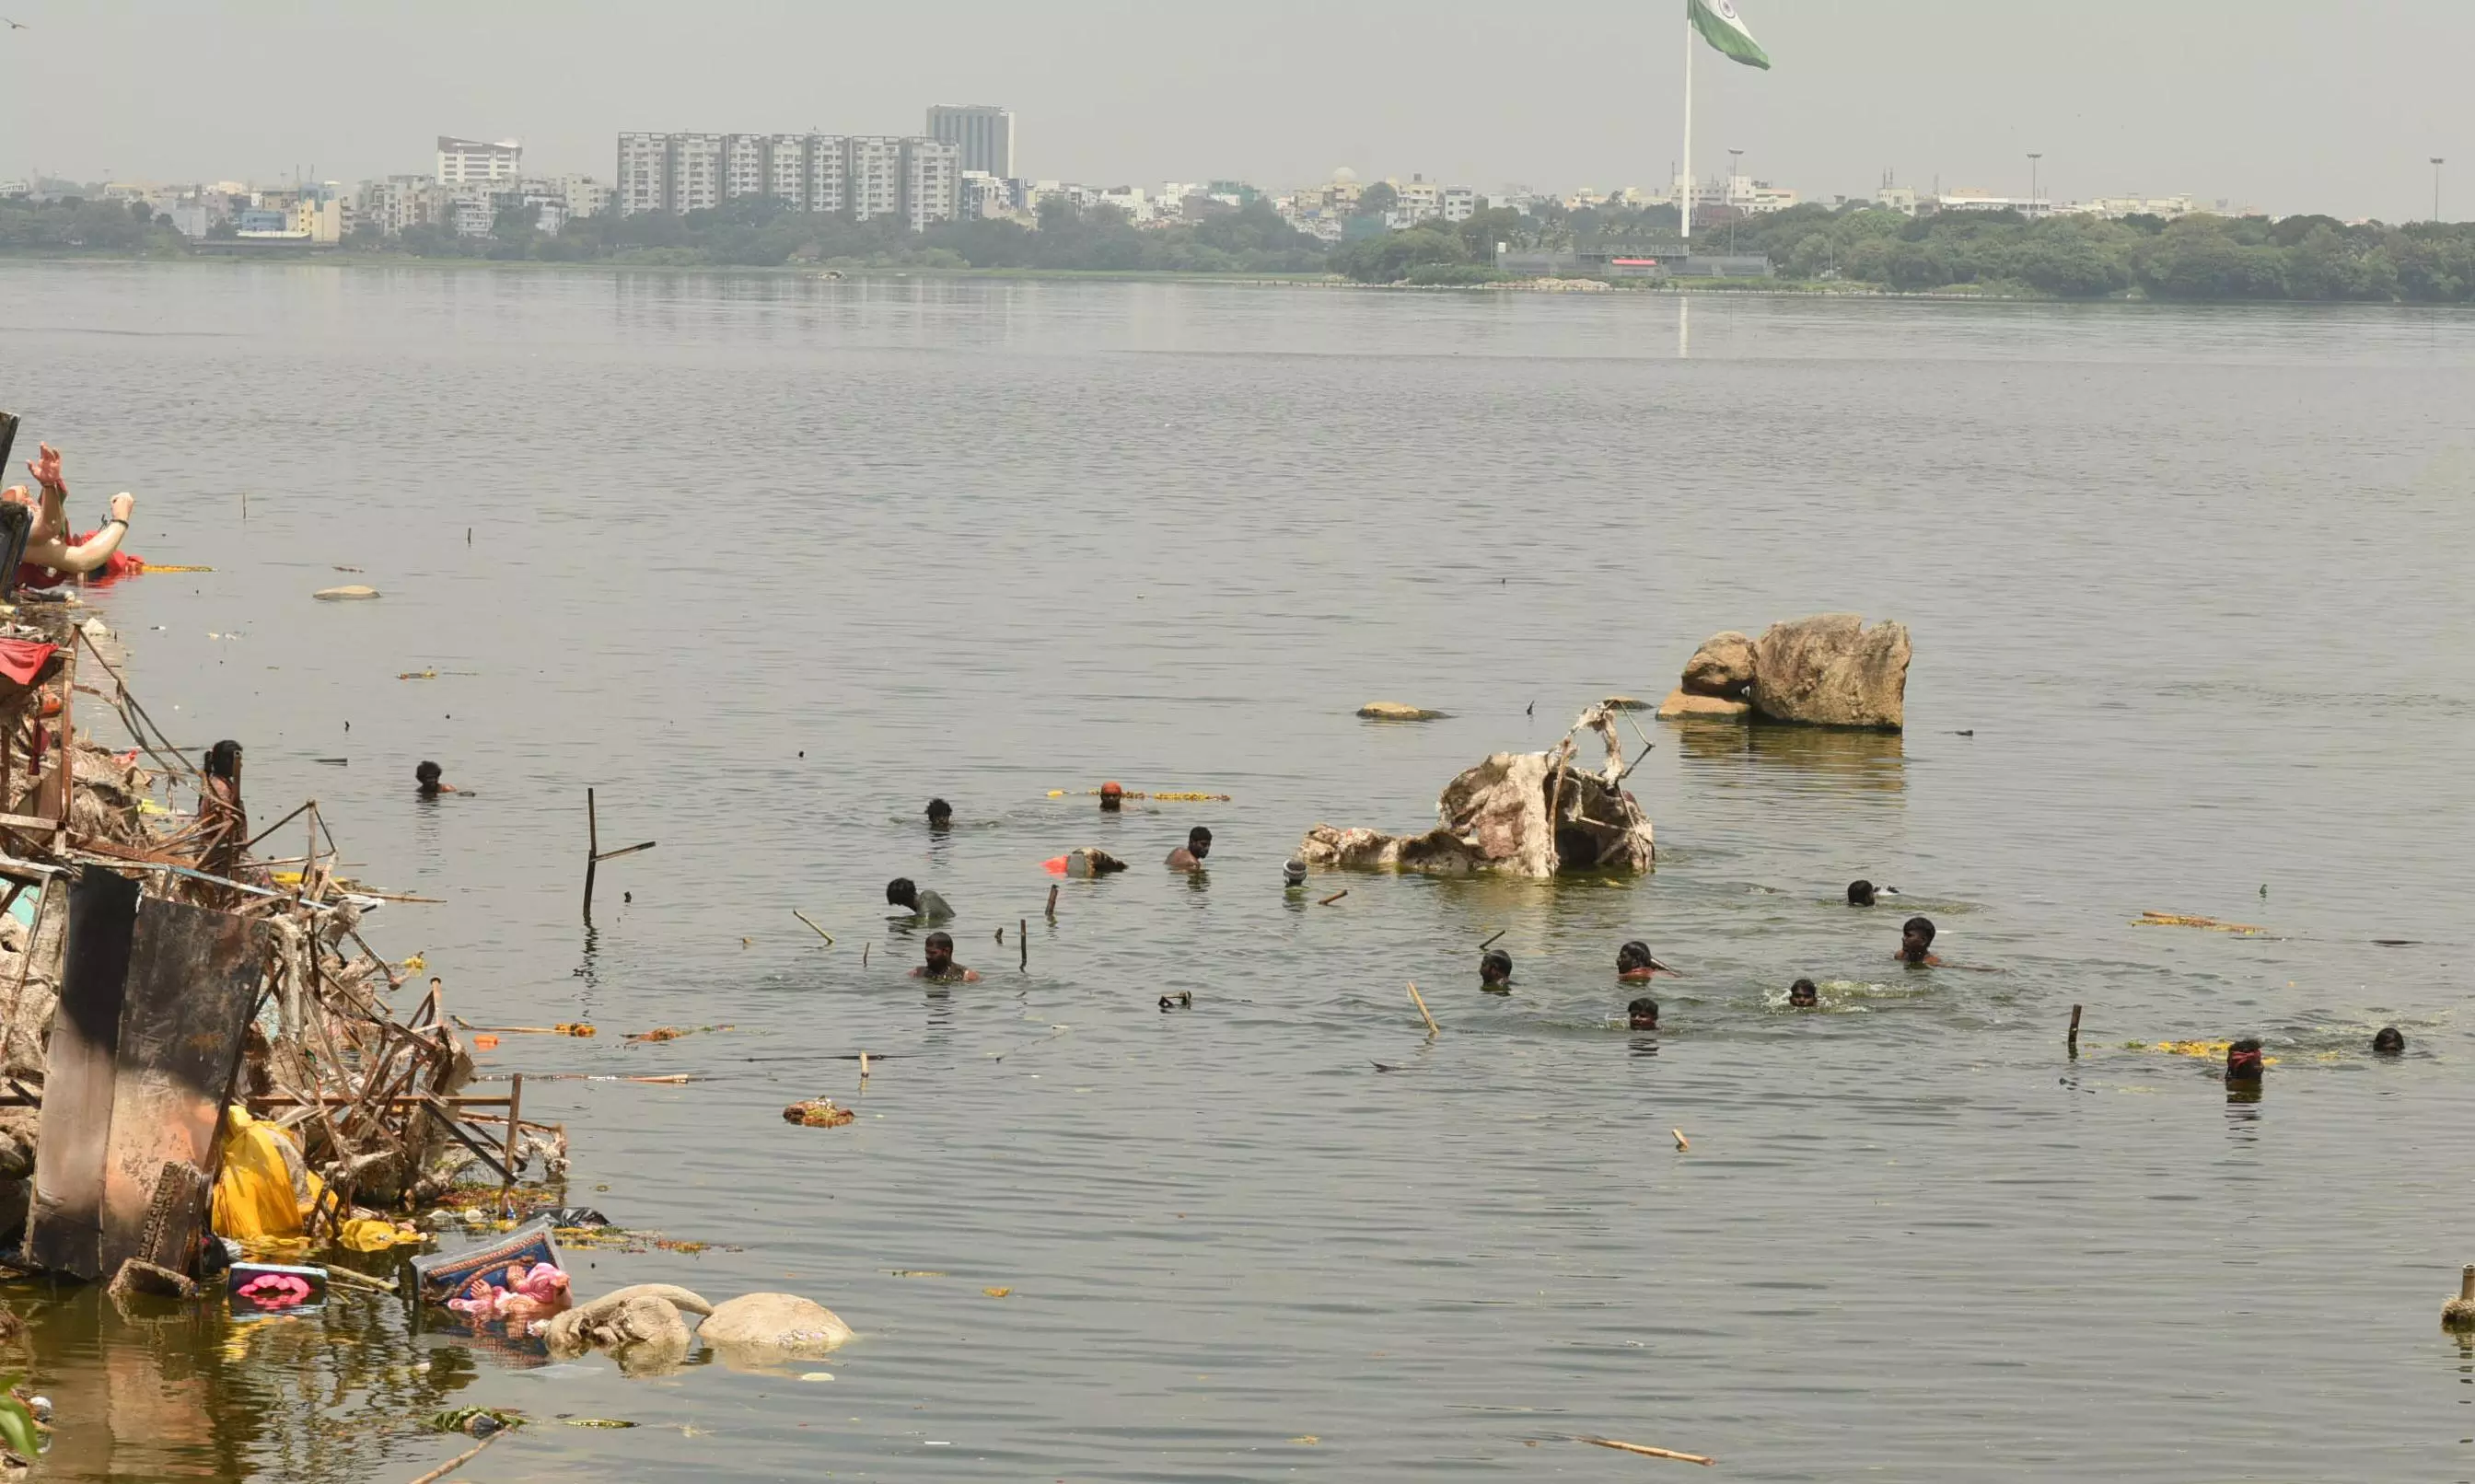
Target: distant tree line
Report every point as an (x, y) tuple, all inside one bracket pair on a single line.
[(760, 233), (71, 226), (2196, 257)]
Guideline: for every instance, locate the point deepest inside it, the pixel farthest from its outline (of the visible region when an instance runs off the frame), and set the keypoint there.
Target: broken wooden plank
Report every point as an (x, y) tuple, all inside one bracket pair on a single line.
[(65, 1227)]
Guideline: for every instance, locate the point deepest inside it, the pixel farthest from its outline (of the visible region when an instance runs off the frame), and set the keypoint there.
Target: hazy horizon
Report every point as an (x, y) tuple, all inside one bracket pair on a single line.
[(2270, 104)]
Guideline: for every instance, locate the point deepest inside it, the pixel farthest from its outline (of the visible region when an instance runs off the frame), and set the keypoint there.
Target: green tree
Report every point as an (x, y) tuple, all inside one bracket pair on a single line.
[(1377, 199)]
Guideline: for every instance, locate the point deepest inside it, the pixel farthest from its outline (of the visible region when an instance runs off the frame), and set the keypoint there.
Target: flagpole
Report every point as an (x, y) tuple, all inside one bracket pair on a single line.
[(1684, 202)]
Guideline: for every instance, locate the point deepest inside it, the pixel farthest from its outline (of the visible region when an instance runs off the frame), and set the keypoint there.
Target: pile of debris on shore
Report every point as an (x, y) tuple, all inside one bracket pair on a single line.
[(169, 995)]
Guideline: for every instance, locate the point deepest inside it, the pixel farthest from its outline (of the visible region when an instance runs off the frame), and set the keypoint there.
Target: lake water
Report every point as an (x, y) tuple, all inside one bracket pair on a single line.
[(769, 562)]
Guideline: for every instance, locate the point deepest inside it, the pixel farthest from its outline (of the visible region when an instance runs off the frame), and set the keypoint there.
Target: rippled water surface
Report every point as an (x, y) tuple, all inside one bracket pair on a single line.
[(769, 562)]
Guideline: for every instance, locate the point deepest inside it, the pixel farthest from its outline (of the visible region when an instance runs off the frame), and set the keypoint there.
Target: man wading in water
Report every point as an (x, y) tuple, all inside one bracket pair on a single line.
[(1189, 857), (941, 967), (1916, 943), (925, 906)]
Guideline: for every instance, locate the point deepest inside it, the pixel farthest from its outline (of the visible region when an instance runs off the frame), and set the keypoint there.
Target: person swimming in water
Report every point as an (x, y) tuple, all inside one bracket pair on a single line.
[(2389, 1043), (429, 781), (941, 815), (1113, 796), (1189, 857), (1293, 872), (925, 906), (2244, 1061), (1642, 1014), (1635, 962), (1495, 971), (941, 967), (1802, 995), (1860, 894), (1916, 943)]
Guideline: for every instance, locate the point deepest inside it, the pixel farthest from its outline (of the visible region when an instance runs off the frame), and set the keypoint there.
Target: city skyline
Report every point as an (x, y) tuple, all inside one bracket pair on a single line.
[(2265, 104)]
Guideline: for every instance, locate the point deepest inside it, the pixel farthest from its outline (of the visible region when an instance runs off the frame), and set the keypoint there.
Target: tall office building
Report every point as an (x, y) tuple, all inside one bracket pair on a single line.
[(867, 174), (985, 136), (474, 162)]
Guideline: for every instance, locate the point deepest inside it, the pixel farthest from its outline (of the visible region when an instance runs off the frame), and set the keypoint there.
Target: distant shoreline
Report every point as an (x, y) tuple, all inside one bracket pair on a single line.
[(1759, 288)]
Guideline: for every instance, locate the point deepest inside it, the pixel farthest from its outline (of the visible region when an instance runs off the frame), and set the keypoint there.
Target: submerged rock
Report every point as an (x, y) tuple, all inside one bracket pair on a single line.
[(1723, 667), (1523, 813), (1831, 670), (1680, 702), (1395, 710)]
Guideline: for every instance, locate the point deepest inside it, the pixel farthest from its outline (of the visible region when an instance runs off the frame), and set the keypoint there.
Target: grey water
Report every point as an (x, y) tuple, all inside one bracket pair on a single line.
[(769, 562)]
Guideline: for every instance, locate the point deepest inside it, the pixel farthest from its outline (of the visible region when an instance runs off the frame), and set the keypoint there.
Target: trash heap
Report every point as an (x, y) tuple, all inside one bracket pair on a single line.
[(191, 1032), (1520, 814)]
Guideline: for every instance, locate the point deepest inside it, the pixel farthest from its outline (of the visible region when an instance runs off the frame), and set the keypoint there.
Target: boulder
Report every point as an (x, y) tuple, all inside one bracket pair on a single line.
[(1831, 670), (1395, 710), (1723, 667), (1522, 813), (774, 1326), (1682, 703)]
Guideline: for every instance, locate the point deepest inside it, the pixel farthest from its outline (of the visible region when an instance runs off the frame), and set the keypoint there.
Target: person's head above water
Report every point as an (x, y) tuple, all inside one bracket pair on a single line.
[(2244, 1061), (1915, 939), (1634, 961), (1293, 872), (1199, 842), (223, 760), (427, 777), (1495, 967), (1803, 995), (901, 892), (1642, 1014), (2389, 1043), (1112, 795), (940, 949), (940, 813), (1860, 894)]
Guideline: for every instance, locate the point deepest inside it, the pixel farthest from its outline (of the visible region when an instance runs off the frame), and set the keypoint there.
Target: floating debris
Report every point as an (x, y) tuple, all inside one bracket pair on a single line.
[(818, 1113), (2182, 920)]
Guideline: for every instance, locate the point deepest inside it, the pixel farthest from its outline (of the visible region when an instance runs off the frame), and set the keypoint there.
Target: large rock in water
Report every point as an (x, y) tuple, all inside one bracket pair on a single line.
[(1524, 814), (1831, 670), (1723, 667)]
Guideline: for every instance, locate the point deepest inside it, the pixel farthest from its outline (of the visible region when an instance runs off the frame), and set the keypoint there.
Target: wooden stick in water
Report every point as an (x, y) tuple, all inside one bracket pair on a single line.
[(1052, 901), (1490, 942), (863, 1066), (2073, 1040), (1421, 1002), (820, 932), (592, 852), (1334, 897), (1680, 1141), (863, 956), (515, 1126), (1643, 1448), (1022, 941), (459, 1460)]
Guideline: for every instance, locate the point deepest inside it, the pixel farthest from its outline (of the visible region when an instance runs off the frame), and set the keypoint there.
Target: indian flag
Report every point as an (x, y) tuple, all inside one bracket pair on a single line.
[(1723, 28)]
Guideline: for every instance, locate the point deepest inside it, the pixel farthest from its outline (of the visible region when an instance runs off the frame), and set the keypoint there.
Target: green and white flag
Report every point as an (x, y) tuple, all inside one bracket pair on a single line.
[(1723, 28)]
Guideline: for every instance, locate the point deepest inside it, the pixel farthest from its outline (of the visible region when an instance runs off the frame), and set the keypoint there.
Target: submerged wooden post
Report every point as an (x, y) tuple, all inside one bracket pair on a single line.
[(592, 852), (1022, 941), (2459, 1313), (2073, 1040), (1052, 885), (515, 1117)]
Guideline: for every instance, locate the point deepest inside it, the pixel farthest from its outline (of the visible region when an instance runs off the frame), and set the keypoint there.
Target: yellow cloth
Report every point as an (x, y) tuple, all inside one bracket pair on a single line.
[(264, 1190)]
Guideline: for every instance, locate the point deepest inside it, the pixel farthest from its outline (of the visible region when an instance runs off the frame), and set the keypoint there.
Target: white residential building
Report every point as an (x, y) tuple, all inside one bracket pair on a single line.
[(583, 195), (400, 201), (869, 176), (644, 180), (696, 171), (828, 169), (932, 182), (474, 163), (1460, 203)]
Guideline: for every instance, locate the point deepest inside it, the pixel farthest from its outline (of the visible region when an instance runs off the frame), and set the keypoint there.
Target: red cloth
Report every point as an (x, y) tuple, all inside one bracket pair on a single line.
[(120, 563), (23, 659)]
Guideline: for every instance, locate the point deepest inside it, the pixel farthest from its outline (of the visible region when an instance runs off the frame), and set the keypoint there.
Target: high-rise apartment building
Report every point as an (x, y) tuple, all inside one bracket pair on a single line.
[(869, 176), (985, 136), (474, 162)]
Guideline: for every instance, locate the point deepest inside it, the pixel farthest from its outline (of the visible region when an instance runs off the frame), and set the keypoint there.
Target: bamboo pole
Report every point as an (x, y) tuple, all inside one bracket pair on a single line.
[(591, 853), (1022, 941), (2073, 1040), (1643, 1448), (1052, 889), (820, 932), (1334, 897), (1420, 1001)]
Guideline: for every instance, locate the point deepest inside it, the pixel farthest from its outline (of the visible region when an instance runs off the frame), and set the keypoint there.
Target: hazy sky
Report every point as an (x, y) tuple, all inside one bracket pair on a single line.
[(2282, 105)]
